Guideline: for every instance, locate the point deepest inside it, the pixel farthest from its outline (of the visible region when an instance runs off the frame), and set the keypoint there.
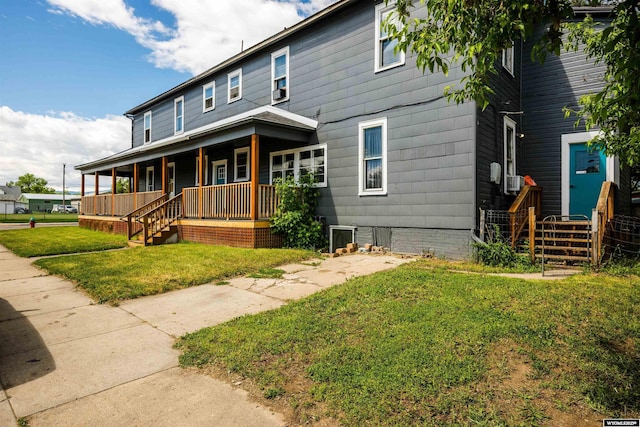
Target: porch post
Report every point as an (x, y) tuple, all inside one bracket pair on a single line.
[(164, 174), (200, 181), (113, 191), (95, 193), (136, 178), (255, 145), (82, 193)]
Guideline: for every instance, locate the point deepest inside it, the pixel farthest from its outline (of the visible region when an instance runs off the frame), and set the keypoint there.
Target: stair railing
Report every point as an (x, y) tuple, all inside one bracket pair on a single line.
[(160, 217), (136, 215), (603, 213), (530, 196)]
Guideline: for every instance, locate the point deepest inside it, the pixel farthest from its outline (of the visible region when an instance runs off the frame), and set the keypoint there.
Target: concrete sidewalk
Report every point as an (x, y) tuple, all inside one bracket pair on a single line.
[(65, 360)]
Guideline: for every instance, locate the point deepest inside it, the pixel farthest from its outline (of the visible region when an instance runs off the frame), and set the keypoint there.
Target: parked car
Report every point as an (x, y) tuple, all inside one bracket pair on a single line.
[(22, 210), (64, 209)]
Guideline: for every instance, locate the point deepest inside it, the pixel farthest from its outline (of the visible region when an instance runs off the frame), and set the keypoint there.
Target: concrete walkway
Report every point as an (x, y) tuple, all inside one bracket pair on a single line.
[(65, 360)]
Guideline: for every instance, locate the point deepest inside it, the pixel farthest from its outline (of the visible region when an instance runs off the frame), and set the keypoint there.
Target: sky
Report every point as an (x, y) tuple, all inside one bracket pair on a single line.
[(69, 69)]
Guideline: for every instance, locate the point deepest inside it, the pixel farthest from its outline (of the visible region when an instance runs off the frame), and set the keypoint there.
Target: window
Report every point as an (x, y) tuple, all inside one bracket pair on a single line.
[(206, 170), (507, 59), (241, 156), (299, 162), (147, 127), (178, 108), (509, 148), (386, 56), (280, 75), (150, 184), (372, 168), (208, 97), (234, 82)]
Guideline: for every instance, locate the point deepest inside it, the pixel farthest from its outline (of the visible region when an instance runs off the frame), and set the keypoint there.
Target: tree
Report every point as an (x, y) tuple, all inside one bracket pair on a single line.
[(122, 185), (29, 183), (477, 31)]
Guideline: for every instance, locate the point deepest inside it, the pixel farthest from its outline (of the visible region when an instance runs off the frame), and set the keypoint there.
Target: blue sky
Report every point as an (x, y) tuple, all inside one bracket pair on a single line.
[(70, 68)]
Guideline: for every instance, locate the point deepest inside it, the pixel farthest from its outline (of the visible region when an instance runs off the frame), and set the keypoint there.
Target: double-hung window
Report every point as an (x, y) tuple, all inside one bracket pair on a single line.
[(385, 54), (147, 127), (507, 59), (299, 162), (509, 150), (241, 162), (280, 76), (178, 114), (372, 167), (234, 83), (208, 97)]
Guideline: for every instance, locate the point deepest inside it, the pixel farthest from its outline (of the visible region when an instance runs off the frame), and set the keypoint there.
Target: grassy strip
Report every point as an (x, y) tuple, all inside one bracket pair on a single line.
[(39, 217), (113, 276), (30, 242), (422, 346)]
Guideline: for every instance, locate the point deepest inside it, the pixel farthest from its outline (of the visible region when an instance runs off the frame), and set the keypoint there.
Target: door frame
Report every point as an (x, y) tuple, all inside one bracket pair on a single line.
[(171, 166), (612, 164), (216, 163)]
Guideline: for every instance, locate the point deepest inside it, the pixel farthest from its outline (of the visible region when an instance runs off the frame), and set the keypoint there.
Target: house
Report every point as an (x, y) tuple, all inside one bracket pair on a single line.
[(45, 202), (9, 199), (396, 163)]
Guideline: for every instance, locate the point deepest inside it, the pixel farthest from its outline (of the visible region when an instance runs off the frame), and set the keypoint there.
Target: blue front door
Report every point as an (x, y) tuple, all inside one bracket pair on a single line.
[(588, 172), (221, 174)]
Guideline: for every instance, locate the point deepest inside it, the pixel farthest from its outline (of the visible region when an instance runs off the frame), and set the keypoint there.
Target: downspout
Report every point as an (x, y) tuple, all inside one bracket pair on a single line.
[(130, 117)]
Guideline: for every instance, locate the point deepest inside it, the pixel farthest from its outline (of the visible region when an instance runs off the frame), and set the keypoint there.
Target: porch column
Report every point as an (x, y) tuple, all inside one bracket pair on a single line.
[(255, 146), (164, 174), (95, 193), (200, 181), (136, 179), (82, 193), (113, 191)]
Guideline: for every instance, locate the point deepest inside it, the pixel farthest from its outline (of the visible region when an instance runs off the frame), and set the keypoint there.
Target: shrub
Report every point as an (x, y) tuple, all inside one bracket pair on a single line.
[(496, 252)]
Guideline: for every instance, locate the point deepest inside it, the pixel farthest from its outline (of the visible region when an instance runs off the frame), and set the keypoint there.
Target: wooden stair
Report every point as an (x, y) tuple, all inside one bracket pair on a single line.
[(563, 240), (159, 238)]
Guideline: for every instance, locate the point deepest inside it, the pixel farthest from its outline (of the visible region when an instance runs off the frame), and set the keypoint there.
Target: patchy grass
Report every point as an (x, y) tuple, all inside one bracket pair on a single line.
[(120, 275), (267, 273), (39, 217), (31, 242), (420, 345)]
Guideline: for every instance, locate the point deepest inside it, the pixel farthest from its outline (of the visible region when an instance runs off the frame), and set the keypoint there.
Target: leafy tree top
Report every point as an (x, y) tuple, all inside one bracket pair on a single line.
[(29, 183)]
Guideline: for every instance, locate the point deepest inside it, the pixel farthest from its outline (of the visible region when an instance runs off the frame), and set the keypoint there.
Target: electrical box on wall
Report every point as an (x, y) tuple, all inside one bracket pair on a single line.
[(496, 172)]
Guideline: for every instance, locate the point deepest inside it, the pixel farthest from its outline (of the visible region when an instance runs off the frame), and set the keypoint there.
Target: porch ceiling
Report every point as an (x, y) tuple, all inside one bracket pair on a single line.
[(264, 121)]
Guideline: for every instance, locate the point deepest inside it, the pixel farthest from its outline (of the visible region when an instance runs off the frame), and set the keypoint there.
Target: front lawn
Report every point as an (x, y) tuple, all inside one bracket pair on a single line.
[(424, 346), (31, 242), (39, 217), (119, 275)]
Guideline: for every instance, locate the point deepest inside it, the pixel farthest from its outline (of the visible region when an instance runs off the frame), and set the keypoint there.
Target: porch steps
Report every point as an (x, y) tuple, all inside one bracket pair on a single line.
[(159, 238), (564, 241)]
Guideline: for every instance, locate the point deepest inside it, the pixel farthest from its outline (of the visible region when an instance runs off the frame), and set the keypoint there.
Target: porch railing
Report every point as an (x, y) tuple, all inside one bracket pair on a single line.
[(229, 201), (519, 211), (134, 218), (116, 205), (160, 217), (603, 214)]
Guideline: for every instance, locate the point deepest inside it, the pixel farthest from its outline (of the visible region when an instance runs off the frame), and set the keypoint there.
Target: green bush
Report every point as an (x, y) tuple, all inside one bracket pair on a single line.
[(294, 217), (496, 252)]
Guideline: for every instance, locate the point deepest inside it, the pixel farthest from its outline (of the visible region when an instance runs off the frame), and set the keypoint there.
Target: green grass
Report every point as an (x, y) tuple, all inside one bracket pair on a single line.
[(119, 275), (267, 273), (424, 346), (39, 217), (31, 242)]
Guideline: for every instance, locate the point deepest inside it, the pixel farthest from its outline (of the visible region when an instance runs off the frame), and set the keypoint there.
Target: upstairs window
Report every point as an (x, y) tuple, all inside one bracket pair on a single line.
[(147, 127), (234, 82), (241, 160), (178, 109), (372, 149), (385, 54), (280, 75), (507, 59), (208, 97)]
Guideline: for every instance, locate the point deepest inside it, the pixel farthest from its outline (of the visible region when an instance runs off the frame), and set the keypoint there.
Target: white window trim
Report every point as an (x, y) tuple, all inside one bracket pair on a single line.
[(146, 179), (175, 115), (508, 62), (380, 10), (216, 163), (171, 178), (144, 125), (362, 191), (508, 122), (206, 169), (274, 55), (211, 85), (229, 77), (296, 162), (235, 164)]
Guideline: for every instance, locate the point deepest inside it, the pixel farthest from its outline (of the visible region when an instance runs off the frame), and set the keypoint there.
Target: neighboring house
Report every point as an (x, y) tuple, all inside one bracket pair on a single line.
[(45, 202), (9, 199), (396, 163)]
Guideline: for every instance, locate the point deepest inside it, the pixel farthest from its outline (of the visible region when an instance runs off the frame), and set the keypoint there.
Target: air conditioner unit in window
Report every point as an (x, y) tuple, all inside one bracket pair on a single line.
[(279, 93), (234, 92), (514, 183)]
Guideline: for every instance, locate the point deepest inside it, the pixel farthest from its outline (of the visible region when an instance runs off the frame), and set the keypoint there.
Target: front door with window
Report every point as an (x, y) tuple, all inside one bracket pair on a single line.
[(587, 173), (171, 179), (220, 172)]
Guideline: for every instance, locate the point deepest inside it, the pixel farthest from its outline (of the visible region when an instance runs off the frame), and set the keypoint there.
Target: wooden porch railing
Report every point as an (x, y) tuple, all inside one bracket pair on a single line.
[(519, 215), (156, 219), (136, 216), (122, 203), (603, 214), (229, 201)]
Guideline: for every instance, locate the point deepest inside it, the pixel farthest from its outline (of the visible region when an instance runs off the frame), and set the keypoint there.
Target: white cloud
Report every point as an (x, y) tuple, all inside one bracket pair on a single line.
[(205, 33), (41, 144)]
